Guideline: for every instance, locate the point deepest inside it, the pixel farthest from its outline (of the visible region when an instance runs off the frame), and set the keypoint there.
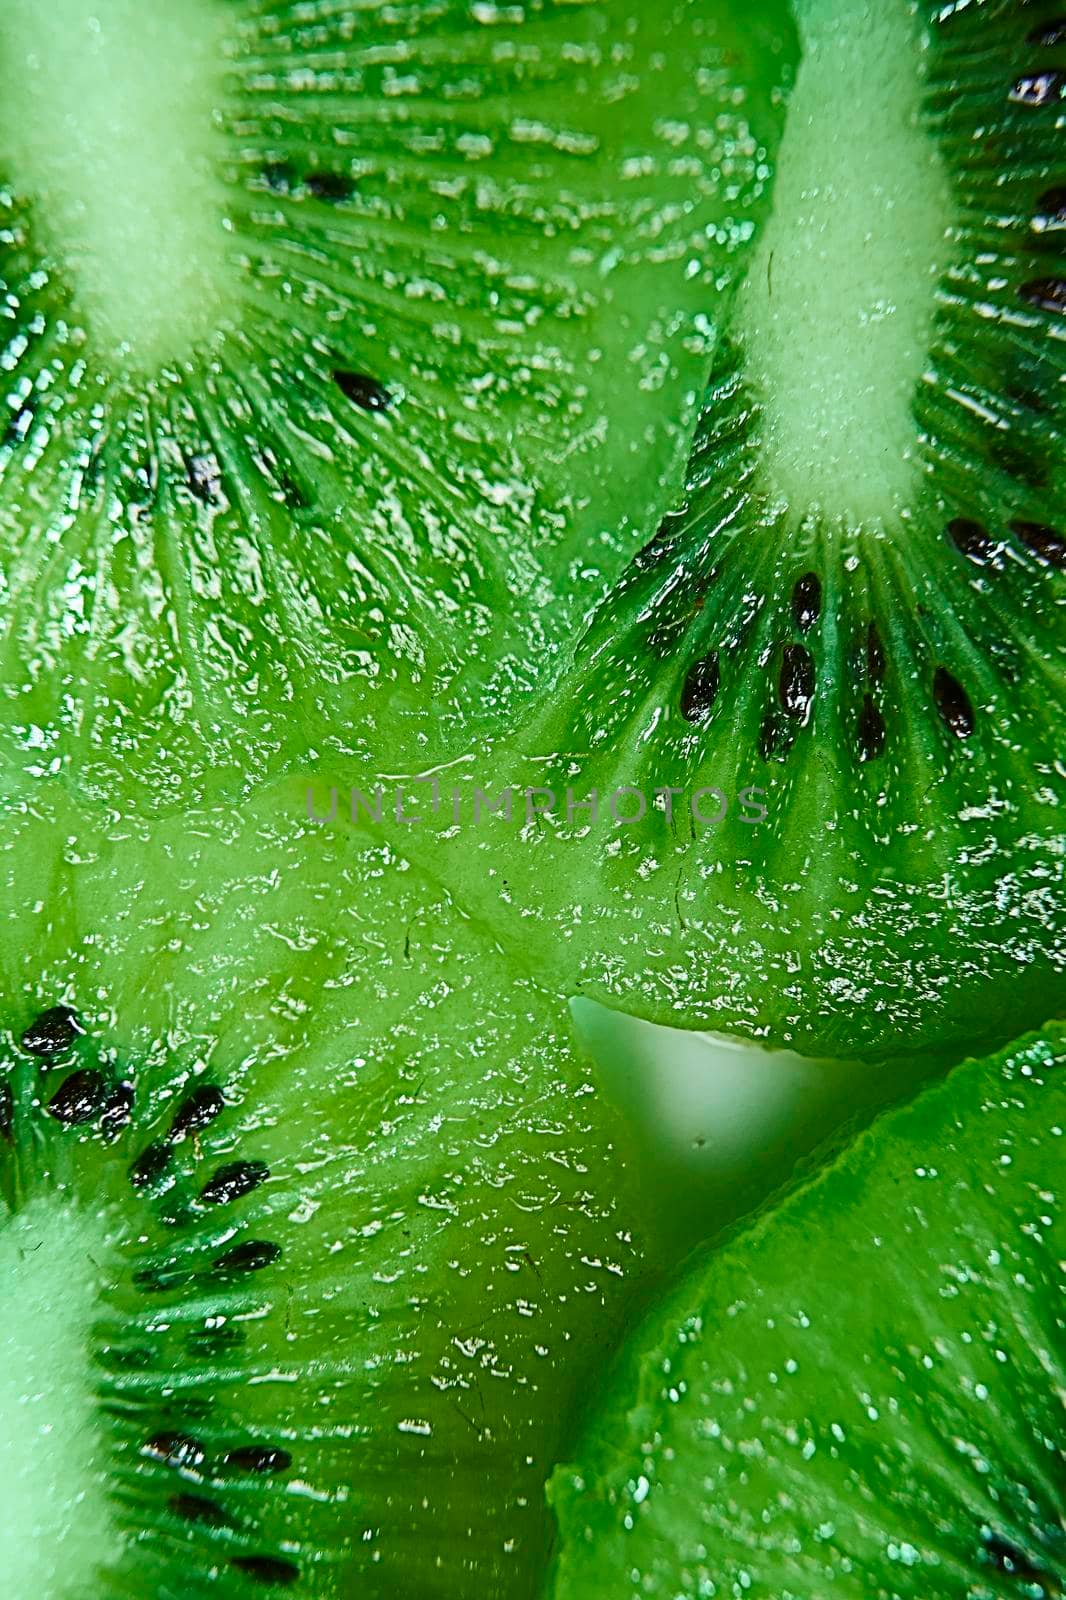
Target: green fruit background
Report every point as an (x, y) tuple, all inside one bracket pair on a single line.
[(532, 926)]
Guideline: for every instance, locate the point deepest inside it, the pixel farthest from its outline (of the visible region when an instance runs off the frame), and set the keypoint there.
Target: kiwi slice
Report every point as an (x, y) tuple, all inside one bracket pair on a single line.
[(862, 1393), (312, 1222), (350, 352), (334, 335), (803, 776)]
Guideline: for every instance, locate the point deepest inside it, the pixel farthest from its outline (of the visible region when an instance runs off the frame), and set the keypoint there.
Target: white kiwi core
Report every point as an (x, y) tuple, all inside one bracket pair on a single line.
[(56, 1530), (836, 312), (107, 130)]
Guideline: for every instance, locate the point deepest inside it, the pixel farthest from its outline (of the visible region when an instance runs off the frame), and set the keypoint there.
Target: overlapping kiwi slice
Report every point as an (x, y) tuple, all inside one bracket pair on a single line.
[(821, 712), (350, 351), (862, 1393), (311, 1226)]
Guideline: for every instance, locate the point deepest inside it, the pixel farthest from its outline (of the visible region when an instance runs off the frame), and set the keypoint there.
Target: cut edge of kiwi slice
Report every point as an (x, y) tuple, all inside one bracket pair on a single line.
[(862, 1391)]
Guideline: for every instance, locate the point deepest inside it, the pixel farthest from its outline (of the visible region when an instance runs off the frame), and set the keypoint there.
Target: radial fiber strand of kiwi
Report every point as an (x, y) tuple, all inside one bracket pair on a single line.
[(858, 624), (347, 1221), (862, 1393), (348, 355)]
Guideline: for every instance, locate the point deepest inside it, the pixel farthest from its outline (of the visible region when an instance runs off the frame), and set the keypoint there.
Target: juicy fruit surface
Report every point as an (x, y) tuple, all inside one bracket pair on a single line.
[(348, 1221), (372, 434), (862, 1394), (875, 657), (355, 1220), (404, 375)]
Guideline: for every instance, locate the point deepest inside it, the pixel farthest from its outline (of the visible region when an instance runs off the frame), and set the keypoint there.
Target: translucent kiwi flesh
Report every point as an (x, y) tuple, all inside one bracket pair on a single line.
[(855, 616), (862, 1392)]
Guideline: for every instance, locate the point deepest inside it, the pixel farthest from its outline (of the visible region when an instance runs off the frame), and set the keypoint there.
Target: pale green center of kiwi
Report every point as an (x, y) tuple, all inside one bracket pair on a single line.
[(106, 128), (56, 1525), (836, 312)]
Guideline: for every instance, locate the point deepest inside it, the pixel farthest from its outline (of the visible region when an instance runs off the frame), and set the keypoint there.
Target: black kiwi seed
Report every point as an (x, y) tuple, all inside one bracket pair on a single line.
[(285, 485), (1043, 542), (953, 704), (700, 689), (7, 1110), (279, 176), (266, 1569), (871, 731), (252, 1256), (258, 1458), (807, 601), (329, 186), (1039, 88), (796, 685), (197, 1508), (175, 1450), (79, 1097), (204, 478), (291, 493), (1048, 34), (1008, 1559), (118, 1109), (1050, 213), (149, 1166), (971, 540), (53, 1032), (234, 1181), (1046, 294), (197, 1111), (875, 654), (365, 392)]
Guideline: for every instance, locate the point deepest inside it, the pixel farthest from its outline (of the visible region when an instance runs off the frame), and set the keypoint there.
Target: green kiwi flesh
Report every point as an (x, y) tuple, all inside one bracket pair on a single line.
[(311, 1222), (861, 1394), (835, 677), (350, 353)]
